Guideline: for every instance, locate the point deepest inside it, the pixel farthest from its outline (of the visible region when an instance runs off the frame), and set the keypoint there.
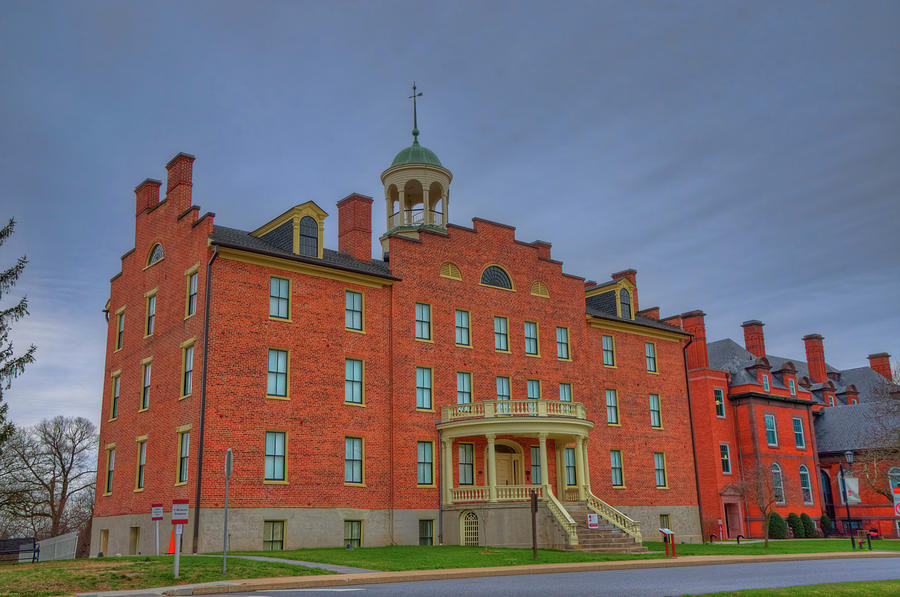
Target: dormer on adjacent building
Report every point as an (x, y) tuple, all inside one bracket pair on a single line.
[(617, 297), (298, 230), (787, 374), (849, 395)]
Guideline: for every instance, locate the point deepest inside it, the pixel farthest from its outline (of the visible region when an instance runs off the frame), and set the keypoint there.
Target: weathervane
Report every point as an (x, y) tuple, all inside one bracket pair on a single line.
[(415, 130)]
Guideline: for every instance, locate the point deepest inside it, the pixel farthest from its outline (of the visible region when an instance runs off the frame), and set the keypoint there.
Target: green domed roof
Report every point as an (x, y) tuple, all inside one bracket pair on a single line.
[(416, 154)]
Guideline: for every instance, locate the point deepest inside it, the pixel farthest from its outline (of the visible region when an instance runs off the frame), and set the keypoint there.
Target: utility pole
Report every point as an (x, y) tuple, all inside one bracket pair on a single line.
[(229, 467)]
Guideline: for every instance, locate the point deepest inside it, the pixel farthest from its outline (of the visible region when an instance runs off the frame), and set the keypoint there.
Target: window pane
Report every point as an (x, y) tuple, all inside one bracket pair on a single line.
[(534, 389), (570, 466), (353, 533), (495, 276), (462, 328), (353, 460), (562, 343), (609, 354), (612, 407), (353, 378), (353, 315), (424, 463), (659, 463), (720, 403), (463, 387), (565, 392), (466, 464), (725, 457), (423, 321), (650, 352), (501, 336), (277, 376), (426, 532), (423, 387), (799, 439), (309, 237), (625, 303), (536, 465), (531, 338), (615, 459)]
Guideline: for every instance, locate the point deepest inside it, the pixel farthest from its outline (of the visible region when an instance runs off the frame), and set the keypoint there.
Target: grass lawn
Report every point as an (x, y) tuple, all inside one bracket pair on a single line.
[(841, 589), (413, 557), (775, 547), (67, 577)]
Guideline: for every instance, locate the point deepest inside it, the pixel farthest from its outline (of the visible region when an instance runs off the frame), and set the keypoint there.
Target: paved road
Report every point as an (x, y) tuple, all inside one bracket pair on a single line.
[(648, 582)]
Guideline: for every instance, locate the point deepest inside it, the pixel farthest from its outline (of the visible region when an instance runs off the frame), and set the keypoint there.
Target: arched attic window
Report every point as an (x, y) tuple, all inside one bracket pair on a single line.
[(449, 270), (625, 304), (494, 275), (540, 289), (309, 237), (156, 254)]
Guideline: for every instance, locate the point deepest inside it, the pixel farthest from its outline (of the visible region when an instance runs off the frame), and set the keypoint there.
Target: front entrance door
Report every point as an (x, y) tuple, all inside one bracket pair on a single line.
[(732, 519), (507, 469)]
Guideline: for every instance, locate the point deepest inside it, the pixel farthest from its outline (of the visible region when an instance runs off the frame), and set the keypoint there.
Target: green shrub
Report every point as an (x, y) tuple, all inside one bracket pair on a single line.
[(809, 527), (777, 527), (825, 523), (796, 526)]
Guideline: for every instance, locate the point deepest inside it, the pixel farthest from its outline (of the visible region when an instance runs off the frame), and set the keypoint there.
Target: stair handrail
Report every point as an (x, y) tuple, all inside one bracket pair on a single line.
[(616, 518), (562, 516)]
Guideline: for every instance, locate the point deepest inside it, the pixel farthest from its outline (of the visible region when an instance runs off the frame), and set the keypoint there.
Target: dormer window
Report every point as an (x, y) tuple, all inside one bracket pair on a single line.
[(156, 254), (765, 382), (792, 385), (624, 304), (831, 401), (494, 275), (309, 237)]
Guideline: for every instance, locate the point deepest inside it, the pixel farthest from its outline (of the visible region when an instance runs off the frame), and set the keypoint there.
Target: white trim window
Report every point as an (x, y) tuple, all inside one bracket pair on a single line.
[(799, 437), (805, 487), (725, 457), (777, 484), (771, 431), (466, 464)]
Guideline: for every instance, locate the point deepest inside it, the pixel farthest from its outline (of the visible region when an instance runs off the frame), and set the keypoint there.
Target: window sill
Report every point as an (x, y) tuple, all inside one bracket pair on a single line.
[(189, 315), (355, 331), (357, 404), (117, 350), (663, 487), (107, 493), (150, 335), (348, 484), (534, 356), (284, 319), (271, 397), (463, 345), (660, 428), (139, 490), (274, 482), (432, 486), (425, 410), (141, 410), (109, 420), (160, 260), (619, 487), (567, 359), (610, 366), (180, 483), (185, 396), (426, 340), (653, 372), (502, 351), (613, 424)]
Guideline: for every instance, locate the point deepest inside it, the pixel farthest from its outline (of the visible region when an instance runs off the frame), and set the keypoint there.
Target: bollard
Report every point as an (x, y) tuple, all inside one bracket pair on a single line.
[(739, 539)]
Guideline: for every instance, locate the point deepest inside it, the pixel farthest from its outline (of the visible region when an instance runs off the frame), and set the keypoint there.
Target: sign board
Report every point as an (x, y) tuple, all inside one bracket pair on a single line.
[(179, 511), (667, 531), (897, 509), (897, 495), (593, 522), (156, 512), (852, 486)]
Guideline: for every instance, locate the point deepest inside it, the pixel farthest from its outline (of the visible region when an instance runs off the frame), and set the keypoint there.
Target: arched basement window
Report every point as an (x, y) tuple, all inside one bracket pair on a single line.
[(625, 303), (156, 254), (495, 276), (309, 237)]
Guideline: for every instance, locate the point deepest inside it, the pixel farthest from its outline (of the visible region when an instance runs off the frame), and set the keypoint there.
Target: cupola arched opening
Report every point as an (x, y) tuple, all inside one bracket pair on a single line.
[(625, 304)]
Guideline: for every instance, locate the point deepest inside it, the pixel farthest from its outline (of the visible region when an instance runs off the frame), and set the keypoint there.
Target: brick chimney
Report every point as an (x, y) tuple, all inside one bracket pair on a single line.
[(694, 323), (649, 312), (147, 194), (178, 181), (815, 358), (754, 339), (355, 226), (543, 248), (631, 275), (881, 362)]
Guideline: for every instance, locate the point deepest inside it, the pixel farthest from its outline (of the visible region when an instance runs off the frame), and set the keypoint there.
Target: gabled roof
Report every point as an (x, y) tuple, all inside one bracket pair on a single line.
[(858, 426), (241, 239)]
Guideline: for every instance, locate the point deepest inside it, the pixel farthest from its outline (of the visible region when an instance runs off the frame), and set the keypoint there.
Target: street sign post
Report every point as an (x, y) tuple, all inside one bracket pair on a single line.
[(156, 514), (229, 468), (179, 519)]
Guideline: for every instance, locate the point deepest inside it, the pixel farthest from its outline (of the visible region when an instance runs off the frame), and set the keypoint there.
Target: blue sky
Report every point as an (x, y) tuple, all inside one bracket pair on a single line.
[(743, 157)]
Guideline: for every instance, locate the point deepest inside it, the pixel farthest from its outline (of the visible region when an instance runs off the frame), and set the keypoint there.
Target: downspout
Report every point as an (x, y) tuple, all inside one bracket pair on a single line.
[(737, 435), (206, 302), (687, 385), (441, 489)]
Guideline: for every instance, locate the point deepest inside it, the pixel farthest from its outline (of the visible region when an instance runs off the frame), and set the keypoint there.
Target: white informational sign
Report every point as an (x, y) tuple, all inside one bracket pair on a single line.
[(156, 512), (179, 511), (852, 486), (593, 521)]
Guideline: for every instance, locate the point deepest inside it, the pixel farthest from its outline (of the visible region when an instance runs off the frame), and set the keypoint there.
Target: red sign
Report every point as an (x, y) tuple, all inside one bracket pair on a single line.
[(179, 511), (897, 509), (156, 512)]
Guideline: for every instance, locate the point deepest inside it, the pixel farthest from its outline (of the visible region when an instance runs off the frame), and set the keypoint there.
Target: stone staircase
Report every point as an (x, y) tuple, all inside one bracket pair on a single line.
[(605, 539)]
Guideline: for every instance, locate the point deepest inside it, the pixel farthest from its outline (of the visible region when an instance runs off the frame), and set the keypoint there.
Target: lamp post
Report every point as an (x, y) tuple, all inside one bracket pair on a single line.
[(849, 456)]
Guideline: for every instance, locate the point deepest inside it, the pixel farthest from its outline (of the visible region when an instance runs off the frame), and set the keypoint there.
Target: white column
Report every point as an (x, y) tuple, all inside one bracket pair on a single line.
[(545, 468), (587, 467), (426, 207), (492, 469), (447, 469), (579, 468), (402, 207), (444, 210)]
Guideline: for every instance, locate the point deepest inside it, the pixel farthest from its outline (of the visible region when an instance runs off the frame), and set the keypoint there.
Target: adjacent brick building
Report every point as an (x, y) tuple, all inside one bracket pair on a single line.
[(413, 398)]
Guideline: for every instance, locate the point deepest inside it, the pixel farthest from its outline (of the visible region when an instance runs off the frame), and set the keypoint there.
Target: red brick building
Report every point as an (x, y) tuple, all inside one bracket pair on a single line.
[(413, 398), (770, 430)]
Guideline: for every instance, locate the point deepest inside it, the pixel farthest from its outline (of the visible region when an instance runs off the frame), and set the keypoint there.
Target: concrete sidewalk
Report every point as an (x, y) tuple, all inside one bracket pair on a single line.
[(308, 582)]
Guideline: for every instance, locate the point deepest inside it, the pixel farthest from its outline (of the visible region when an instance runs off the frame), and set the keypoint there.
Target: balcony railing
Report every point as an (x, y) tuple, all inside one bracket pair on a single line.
[(415, 217), (490, 409), (505, 493)]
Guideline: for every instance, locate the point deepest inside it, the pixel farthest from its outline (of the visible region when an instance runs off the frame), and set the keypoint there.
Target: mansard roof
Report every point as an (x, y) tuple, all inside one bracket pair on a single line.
[(858, 426)]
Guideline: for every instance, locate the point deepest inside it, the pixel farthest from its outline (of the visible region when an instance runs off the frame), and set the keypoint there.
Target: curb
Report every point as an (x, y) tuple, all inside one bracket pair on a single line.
[(307, 582)]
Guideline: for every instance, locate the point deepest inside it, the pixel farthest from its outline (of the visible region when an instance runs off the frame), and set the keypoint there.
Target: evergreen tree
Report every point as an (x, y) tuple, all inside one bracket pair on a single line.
[(11, 366), (825, 522), (796, 526), (777, 526), (809, 527)]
